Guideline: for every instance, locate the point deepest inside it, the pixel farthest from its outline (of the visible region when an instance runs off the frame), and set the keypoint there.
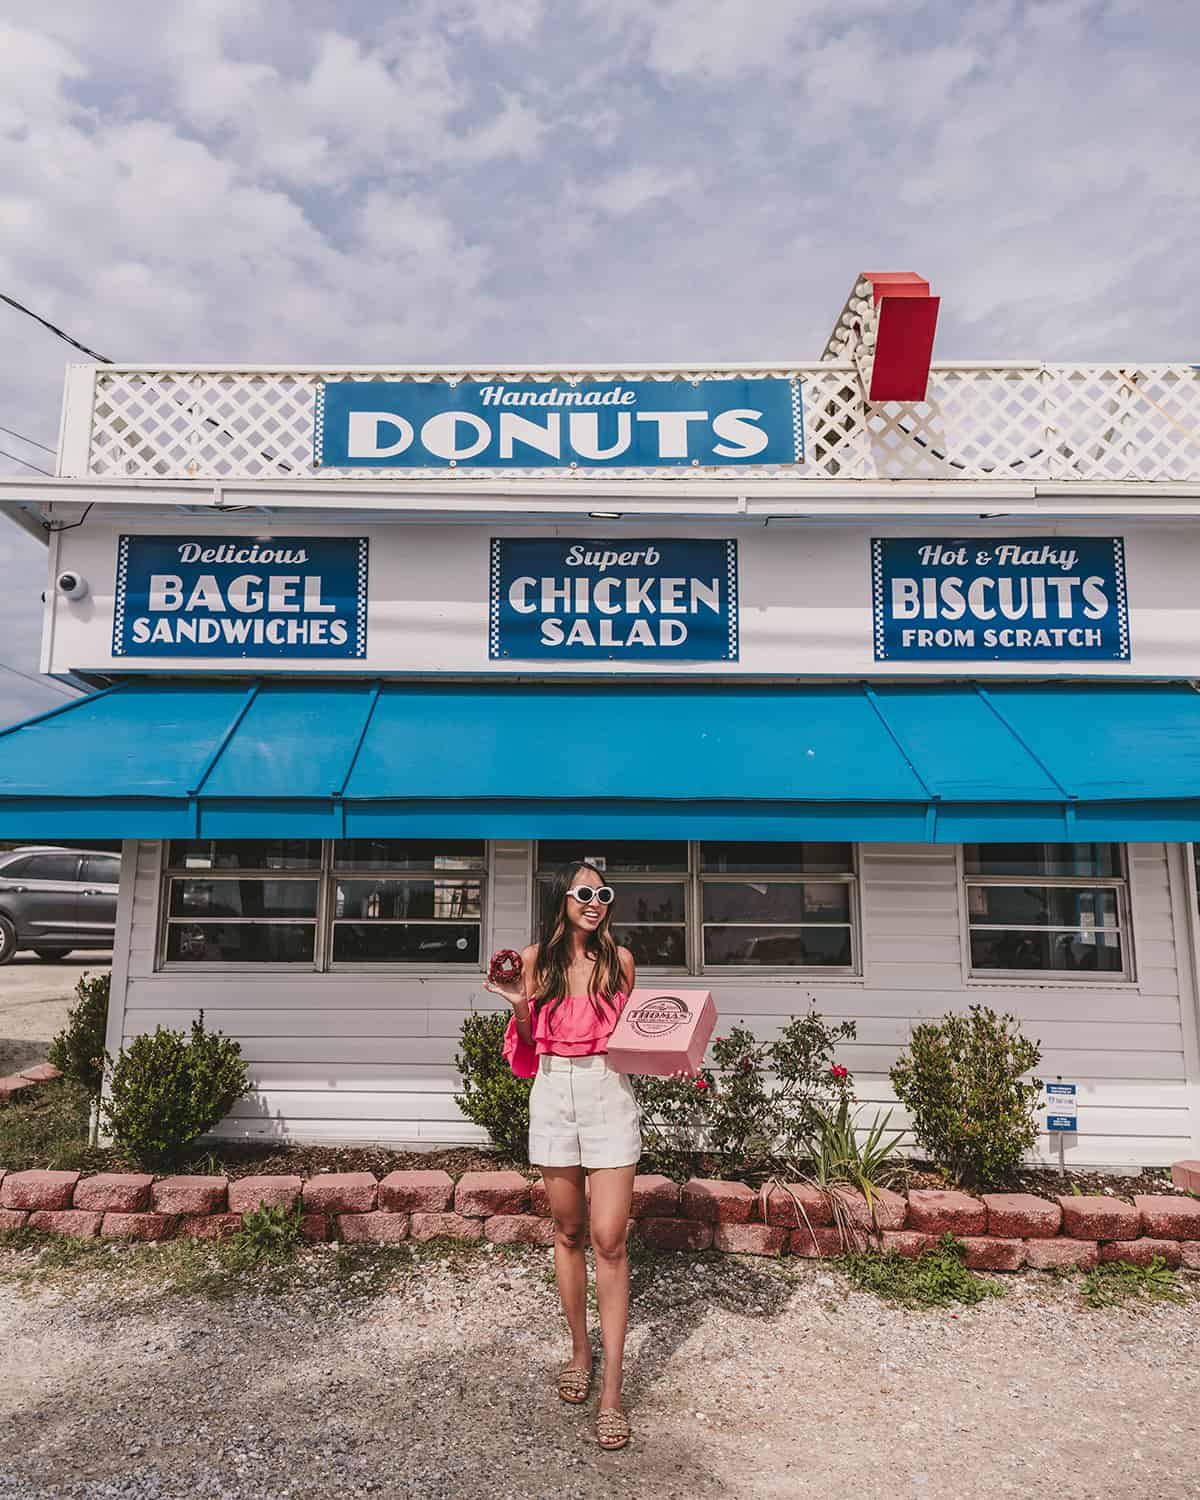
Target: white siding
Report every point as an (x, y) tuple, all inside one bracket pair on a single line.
[(370, 1057)]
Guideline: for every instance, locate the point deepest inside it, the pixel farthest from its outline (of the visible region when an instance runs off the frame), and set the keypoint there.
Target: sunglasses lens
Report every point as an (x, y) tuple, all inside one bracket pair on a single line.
[(605, 894)]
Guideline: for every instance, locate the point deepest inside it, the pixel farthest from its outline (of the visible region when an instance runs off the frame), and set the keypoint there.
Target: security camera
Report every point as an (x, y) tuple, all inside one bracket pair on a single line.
[(71, 585)]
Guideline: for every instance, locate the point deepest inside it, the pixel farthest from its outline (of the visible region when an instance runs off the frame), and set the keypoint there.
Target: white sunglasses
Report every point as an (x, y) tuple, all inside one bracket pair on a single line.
[(585, 894)]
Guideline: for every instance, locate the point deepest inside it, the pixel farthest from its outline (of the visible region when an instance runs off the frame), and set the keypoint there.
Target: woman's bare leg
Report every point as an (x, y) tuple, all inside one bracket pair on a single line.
[(568, 1204), (612, 1194)]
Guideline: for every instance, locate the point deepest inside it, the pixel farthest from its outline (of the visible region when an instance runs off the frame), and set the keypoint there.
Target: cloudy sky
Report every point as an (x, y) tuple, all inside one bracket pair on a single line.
[(247, 180)]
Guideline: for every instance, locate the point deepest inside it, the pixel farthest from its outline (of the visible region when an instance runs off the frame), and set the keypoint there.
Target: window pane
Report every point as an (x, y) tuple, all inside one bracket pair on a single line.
[(819, 901), (1042, 859), (1062, 951), (654, 947), (243, 898), (53, 867), (408, 854), (384, 900), (777, 859), (405, 943), (104, 869), (1042, 906), (796, 947), (214, 942), (613, 859), (244, 854), (15, 867)]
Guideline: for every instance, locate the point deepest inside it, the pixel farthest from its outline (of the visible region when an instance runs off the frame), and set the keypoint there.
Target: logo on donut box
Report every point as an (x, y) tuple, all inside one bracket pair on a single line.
[(661, 1032)]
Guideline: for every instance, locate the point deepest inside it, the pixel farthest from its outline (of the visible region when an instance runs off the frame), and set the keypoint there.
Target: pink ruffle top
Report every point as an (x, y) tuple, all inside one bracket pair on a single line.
[(574, 1030)]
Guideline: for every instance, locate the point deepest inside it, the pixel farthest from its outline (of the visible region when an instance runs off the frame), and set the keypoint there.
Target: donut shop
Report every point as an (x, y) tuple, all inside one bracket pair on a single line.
[(868, 680)]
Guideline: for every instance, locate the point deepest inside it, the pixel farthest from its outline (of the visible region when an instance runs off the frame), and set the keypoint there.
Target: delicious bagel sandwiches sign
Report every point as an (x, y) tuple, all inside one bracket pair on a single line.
[(558, 424)]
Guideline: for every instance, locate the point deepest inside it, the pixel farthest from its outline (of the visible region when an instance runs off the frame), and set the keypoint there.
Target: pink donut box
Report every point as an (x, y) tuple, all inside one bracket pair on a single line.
[(662, 1031)]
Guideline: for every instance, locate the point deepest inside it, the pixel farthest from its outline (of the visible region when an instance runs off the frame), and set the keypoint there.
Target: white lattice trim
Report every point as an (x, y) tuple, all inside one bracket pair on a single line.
[(1085, 422)]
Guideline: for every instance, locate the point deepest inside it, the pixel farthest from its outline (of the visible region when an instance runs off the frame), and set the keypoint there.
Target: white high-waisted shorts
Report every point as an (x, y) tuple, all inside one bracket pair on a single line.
[(582, 1113)]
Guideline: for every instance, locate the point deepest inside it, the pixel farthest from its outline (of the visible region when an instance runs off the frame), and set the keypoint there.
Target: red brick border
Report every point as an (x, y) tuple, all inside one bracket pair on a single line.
[(1001, 1231)]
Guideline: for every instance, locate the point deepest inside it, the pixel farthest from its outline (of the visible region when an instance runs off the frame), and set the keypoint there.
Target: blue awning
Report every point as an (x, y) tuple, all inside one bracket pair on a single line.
[(896, 762)]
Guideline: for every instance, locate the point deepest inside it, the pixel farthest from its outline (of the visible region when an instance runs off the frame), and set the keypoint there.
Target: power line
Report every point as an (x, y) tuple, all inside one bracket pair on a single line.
[(4, 453), (33, 442), (41, 681), (58, 332)]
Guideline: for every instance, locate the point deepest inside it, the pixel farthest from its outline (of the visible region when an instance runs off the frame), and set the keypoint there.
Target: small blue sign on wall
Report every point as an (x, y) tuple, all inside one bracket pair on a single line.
[(1000, 599), (621, 600), (241, 596), (557, 424), (1061, 1107)]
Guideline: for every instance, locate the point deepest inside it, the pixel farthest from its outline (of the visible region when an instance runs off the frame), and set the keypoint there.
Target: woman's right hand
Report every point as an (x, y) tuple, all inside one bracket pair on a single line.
[(514, 993)]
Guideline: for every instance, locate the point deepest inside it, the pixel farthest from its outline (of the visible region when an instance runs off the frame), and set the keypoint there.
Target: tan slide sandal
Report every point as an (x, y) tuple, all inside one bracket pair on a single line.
[(574, 1384)]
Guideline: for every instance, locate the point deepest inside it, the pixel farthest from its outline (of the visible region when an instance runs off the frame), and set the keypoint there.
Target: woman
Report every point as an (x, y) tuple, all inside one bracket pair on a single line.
[(583, 1117)]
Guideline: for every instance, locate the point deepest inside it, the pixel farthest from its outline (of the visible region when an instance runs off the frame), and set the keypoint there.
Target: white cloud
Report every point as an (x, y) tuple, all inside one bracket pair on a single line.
[(243, 180)]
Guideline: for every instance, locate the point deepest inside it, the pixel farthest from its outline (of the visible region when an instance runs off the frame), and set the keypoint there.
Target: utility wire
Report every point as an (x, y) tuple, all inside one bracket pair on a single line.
[(4, 453), (41, 681), (58, 332), (33, 442), (271, 458)]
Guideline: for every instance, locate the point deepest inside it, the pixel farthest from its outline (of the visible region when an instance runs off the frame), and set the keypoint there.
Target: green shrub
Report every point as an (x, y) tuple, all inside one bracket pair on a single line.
[(961, 1080), (491, 1096), (78, 1050), (168, 1089), (761, 1102)]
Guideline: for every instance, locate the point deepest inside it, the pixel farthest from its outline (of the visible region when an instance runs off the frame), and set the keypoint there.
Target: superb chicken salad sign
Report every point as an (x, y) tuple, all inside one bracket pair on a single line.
[(621, 600), (241, 596), (1000, 599)]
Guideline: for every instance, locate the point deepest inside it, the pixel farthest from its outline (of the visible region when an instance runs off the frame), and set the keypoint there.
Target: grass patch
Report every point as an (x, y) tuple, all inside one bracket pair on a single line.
[(935, 1278), (1117, 1284), (153, 1271), (49, 1128)]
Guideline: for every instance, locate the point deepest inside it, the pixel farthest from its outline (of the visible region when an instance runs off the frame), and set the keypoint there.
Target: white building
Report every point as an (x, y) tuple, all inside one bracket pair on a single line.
[(887, 703)]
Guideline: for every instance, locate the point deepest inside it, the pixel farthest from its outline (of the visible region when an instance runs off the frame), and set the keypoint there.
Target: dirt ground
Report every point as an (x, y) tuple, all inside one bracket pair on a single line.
[(744, 1379), (34, 1001)]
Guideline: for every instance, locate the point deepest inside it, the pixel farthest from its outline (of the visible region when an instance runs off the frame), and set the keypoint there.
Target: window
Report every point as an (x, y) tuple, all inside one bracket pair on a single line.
[(348, 902), (407, 902), (699, 908), (1047, 908), (102, 869), (249, 902), (58, 866), (761, 906)]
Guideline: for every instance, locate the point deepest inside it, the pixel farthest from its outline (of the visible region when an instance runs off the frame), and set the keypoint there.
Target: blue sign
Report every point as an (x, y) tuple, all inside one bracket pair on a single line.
[(1000, 599), (1061, 1107), (557, 424), (625, 599), (241, 596)]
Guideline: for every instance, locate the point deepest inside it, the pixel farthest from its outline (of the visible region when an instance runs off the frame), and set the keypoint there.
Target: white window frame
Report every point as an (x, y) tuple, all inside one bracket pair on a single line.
[(1125, 975), (693, 882), (321, 963)]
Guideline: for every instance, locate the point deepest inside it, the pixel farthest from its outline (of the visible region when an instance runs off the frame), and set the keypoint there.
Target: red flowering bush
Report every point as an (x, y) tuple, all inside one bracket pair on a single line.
[(757, 1104)]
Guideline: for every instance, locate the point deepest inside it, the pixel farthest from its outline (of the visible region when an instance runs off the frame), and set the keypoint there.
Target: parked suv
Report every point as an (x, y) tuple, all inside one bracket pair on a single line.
[(53, 900)]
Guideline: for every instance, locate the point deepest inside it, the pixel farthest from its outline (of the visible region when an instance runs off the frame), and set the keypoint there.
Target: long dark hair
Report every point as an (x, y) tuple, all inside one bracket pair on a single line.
[(553, 960)]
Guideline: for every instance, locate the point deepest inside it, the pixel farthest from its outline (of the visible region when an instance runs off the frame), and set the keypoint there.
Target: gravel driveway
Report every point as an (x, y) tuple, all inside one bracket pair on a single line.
[(745, 1379), (34, 1001)]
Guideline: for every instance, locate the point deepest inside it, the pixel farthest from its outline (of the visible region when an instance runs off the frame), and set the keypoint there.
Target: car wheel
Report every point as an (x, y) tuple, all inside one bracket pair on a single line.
[(51, 955), (8, 941)]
